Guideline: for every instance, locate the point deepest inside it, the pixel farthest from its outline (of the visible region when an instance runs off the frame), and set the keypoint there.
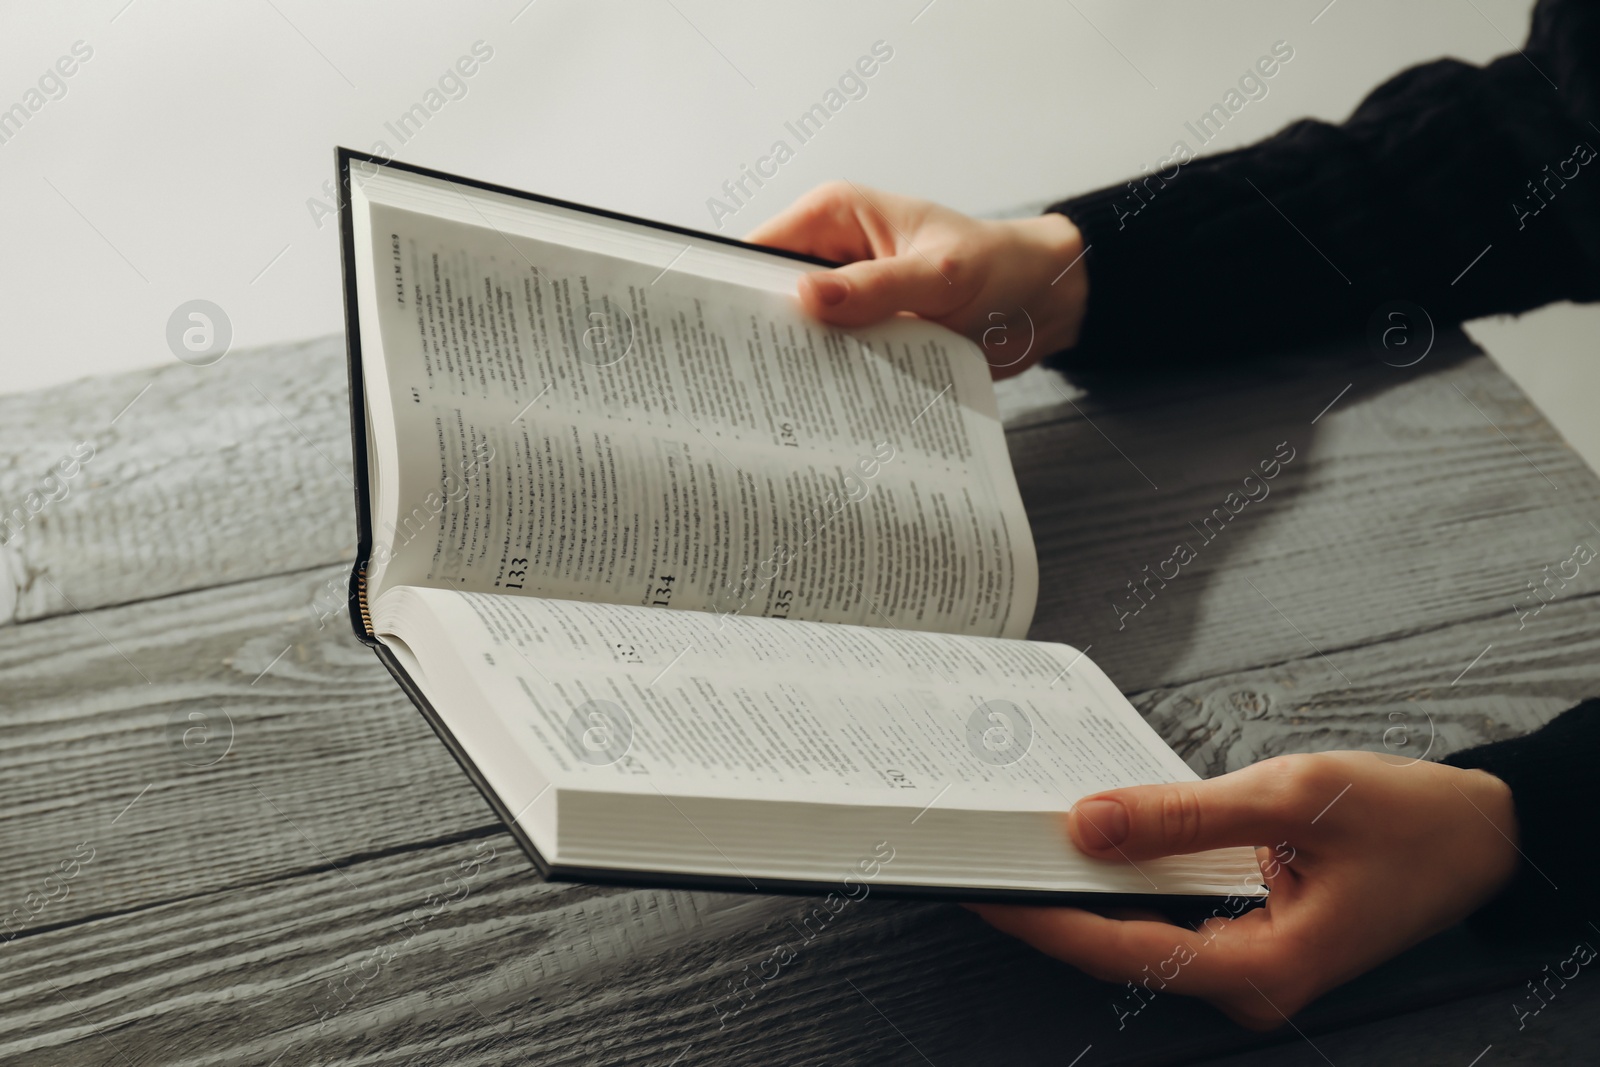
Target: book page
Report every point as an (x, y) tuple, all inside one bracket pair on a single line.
[(628, 699), (572, 424)]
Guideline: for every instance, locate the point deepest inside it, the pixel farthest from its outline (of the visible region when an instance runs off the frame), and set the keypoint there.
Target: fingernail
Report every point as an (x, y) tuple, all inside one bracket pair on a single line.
[(1101, 823), (829, 289)]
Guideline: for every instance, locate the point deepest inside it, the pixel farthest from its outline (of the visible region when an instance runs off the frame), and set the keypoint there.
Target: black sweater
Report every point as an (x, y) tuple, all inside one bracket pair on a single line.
[(1469, 191)]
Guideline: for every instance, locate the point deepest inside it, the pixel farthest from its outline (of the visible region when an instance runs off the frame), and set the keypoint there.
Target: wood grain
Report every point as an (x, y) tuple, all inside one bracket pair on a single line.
[(1440, 485), (266, 809), (238, 706), (203, 475), (1414, 502), (376, 960), (214, 474), (292, 857), (248, 739)]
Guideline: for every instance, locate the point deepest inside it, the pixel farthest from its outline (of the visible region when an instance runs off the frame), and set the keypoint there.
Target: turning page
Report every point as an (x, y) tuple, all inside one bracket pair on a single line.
[(563, 407)]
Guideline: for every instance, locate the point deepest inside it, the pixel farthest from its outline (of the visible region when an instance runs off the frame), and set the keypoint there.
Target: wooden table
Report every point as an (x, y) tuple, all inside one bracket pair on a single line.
[(269, 824)]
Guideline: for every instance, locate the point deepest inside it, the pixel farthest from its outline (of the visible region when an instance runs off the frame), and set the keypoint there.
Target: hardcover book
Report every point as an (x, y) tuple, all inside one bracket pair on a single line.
[(699, 591)]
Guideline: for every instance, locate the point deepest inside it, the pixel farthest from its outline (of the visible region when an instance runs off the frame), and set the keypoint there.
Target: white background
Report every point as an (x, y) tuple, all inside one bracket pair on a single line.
[(180, 162)]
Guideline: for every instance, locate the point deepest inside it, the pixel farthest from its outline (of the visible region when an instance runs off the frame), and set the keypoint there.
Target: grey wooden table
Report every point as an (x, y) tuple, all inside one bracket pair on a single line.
[(226, 837)]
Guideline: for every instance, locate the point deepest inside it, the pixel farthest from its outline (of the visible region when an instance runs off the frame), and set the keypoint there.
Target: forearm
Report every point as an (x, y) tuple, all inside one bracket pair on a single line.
[(1303, 236), (1556, 791)]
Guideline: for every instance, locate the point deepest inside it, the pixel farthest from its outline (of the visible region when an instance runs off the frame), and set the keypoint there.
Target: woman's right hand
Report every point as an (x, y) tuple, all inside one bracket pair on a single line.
[(1016, 287)]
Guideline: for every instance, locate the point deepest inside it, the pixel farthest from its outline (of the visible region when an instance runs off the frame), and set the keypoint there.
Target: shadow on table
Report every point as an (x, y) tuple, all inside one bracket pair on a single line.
[(1016, 1006), (1114, 488)]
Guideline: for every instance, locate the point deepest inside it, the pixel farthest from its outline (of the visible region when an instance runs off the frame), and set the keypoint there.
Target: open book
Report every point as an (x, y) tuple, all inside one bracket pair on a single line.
[(701, 592)]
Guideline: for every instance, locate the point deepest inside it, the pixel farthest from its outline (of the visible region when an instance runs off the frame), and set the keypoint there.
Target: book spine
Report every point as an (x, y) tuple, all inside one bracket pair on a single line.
[(361, 597)]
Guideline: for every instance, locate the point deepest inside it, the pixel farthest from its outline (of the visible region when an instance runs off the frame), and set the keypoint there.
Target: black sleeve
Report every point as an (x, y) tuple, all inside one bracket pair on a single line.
[(1556, 790), (1468, 191)]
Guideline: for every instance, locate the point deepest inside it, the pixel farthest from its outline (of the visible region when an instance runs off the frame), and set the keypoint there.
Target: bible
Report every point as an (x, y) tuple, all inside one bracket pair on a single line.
[(699, 591)]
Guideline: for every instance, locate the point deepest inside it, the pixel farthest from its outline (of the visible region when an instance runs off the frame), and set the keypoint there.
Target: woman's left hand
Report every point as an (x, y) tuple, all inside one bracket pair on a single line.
[(1365, 856)]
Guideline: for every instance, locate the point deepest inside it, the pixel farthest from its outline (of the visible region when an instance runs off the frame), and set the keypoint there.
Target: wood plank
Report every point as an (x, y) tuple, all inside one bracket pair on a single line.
[(329, 763), (1401, 460), (213, 474), (173, 978), (177, 865), (390, 961), (1415, 501), (199, 476), (225, 722), (332, 766)]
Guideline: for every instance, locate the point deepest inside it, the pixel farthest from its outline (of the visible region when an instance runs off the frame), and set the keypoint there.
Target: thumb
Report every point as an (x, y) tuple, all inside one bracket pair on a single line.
[(1147, 821), (871, 290)]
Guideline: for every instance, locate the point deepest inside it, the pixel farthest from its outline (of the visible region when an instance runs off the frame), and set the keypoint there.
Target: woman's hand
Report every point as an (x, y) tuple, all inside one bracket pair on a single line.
[(1365, 855), (1015, 287)]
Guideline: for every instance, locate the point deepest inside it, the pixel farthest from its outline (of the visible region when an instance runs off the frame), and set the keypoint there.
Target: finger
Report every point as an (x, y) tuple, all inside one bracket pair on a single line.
[(823, 222), (1167, 957), (1247, 807), (872, 290)]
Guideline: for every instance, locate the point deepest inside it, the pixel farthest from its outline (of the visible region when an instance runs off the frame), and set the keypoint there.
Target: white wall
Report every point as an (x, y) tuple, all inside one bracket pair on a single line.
[(179, 163)]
